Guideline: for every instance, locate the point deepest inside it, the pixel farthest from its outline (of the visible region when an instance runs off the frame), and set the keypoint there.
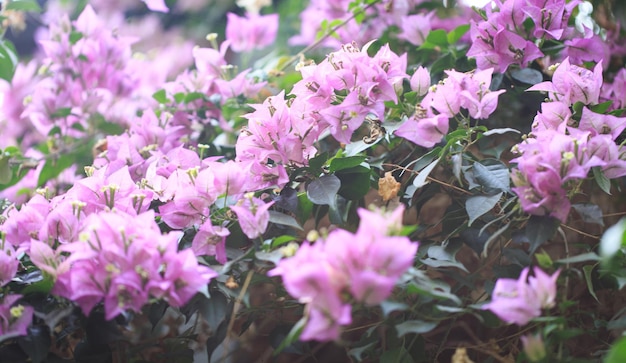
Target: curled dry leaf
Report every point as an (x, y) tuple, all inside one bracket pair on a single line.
[(388, 187)]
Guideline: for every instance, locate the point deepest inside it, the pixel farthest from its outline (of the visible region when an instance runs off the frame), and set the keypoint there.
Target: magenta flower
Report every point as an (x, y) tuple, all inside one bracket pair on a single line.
[(426, 132), (156, 5), (210, 240), (326, 316), (420, 81), (253, 215), (14, 318), (519, 301), (365, 264), (571, 84), (251, 32), (8, 264)]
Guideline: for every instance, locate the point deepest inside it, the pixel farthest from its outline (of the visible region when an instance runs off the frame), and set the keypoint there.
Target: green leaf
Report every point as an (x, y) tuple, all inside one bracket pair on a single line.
[(6, 174), (421, 179), (293, 335), (284, 219), (160, 96), (436, 38), (415, 326), (316, 163), (281, 240), (355, 182), (601, 107), (75, 36), (337, 164), (357, 352), (305, 207), (397, 355), (478, 205), (591, 213), (613, 239), (527, 75), (323, 191), (587, 270), (61, 112), (8, 60), (539, 229), (603, 182), (492, 175), (617, 354), (23, 5), (388, 307), (53, 168), (457, 33), (36, 343)]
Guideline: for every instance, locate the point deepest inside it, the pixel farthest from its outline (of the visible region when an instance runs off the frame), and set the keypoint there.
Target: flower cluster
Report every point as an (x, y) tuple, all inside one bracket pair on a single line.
[(562, 149), (125, 262), (519, 301), (412, 22), (335, 96), (364, 265), (502, 38), (444, 100), (87, 72)]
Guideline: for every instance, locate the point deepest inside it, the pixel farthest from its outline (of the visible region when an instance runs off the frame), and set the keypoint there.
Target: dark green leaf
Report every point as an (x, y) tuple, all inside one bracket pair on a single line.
[(601, 107), (588, 270), (539, 229), (388, 307), (355, 182), (357, 352), (603, 182), (591, 213), (478, 205), (36, 344), (284, 219), (492, 175), (293, 335), (316, 163), (323, 191), (415, 326), (527, 75)]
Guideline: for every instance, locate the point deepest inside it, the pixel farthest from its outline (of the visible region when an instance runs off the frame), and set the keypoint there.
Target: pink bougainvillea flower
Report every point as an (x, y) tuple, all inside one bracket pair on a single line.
[(420, 81), (14, 318), (426, 132), (156, 5), (210, 240), (571, 84), (519, 301), (253, 215), (251, 32)]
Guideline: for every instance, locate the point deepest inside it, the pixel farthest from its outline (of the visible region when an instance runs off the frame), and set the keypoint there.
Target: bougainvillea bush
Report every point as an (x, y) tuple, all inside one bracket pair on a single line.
[(332, 180)]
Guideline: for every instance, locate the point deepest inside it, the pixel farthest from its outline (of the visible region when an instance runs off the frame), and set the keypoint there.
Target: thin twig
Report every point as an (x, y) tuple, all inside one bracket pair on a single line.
[(398, 167), (236, 307), (580, 232), (330, 32)]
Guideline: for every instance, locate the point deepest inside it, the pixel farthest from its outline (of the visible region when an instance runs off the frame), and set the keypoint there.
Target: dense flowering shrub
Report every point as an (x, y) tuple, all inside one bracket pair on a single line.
[(430, 186)]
